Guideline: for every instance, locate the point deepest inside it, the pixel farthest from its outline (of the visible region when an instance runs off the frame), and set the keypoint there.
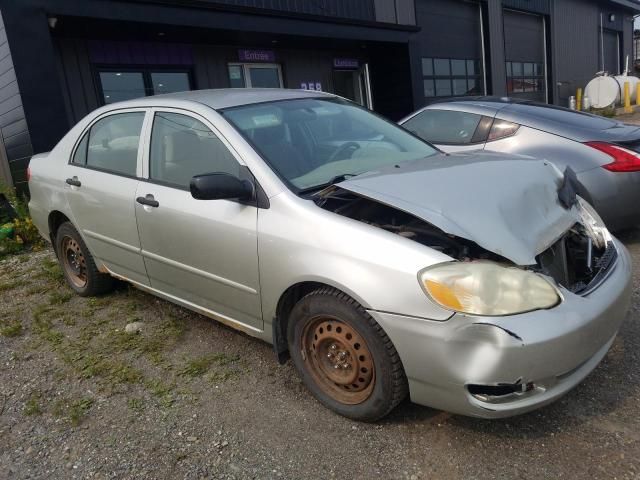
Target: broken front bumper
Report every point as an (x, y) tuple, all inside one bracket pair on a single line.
[(541, 354)]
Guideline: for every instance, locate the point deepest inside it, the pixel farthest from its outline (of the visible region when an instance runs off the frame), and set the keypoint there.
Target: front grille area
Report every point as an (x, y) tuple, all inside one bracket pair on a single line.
[(576, 263)]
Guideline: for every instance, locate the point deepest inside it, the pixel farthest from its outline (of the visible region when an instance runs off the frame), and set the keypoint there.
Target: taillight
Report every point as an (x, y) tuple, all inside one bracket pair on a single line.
[(624, 160), (502, 129), (28, 173)]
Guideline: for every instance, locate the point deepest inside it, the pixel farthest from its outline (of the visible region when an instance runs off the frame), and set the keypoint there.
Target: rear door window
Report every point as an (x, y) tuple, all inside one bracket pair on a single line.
[(114, 142), (445, 126), (80, 155)]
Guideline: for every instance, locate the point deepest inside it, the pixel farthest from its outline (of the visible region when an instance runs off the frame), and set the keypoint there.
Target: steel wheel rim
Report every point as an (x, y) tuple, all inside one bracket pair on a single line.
[(73, 261), (338, 359)]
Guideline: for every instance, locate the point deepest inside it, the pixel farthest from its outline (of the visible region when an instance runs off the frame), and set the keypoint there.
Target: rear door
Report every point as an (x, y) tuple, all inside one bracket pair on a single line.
[(450, 130), (203, 252), (101, 180)]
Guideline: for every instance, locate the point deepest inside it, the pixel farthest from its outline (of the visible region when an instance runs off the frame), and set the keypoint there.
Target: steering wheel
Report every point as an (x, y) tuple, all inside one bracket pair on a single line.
[(344, 148)]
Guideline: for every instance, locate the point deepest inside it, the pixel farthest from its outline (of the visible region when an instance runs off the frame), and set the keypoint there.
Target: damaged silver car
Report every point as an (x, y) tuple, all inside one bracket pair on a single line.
[(476, 284)]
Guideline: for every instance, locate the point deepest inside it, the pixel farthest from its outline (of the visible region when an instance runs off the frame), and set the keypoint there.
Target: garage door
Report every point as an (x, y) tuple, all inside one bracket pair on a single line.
[(525, 55), (610, 42), (451, 46)]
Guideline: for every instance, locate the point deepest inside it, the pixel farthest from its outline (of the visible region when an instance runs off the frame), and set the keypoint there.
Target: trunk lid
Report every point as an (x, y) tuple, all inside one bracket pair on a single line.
[(505, 204)]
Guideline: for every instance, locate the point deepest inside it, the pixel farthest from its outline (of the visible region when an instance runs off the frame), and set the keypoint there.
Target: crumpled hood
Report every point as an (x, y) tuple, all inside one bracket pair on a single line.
[(506, 204)]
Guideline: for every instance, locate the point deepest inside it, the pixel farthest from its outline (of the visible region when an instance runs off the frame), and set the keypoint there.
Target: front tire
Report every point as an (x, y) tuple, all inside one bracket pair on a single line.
[(77, 264), (344, 357)]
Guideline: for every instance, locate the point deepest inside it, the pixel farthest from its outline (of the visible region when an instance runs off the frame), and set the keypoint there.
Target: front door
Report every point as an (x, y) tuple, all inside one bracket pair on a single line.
[(100, 186), (204, 252)]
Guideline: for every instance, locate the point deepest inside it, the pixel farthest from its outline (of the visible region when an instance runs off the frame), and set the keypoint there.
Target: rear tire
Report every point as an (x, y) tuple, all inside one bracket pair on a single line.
[(77, 264), (344, 357)]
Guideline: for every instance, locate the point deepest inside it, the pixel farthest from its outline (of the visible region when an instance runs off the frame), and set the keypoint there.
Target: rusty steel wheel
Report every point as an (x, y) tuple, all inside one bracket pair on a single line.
[(344, 357), (74, 262), (339, 360), (77, 263)]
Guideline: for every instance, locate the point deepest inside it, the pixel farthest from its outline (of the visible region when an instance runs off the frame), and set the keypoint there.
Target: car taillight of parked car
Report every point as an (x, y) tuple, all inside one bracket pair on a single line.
[(624, 160), (502, 129)]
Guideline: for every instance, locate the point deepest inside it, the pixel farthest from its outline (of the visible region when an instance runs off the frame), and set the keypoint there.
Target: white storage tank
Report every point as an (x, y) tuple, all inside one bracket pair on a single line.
[(606, 91)]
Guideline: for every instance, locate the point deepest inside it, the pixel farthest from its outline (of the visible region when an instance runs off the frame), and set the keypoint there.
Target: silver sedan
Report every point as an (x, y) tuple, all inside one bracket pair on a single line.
[(473, 283), (603, 153)]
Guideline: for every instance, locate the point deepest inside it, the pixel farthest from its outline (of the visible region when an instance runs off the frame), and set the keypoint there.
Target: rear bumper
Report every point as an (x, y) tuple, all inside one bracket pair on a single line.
[(553, 350), (40, 218)]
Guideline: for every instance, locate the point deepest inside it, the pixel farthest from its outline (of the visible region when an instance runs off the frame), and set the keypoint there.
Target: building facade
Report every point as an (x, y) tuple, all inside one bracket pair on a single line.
[(60, 59)]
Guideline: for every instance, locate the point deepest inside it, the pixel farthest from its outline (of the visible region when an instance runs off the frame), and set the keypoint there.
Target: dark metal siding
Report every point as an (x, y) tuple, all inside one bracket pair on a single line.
[(208, 64), (611, 43), (16, 149), (350, 9), (449, 28), (495, 32), (575, 30), (535, 6)]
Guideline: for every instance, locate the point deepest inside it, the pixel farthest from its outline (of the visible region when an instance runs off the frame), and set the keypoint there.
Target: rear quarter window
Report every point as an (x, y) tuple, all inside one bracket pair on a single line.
[(444, 126)]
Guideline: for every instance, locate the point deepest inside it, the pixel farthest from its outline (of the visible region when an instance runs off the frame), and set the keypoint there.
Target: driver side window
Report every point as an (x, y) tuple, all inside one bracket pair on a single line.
[(182, 147), (445, 127)]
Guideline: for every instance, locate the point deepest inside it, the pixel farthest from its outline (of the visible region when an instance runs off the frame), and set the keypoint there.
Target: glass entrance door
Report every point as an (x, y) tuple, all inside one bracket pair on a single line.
[(354, 85), (255, 75)]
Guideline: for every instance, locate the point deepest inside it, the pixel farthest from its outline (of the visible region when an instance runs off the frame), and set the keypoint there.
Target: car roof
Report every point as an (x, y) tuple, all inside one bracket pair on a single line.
[(579, 126), (223, 97)]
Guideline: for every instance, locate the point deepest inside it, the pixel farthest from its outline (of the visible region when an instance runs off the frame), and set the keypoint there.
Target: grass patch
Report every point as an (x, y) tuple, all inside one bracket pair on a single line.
[(51, 271), (43, 327), (136, 404), (199, 366), (37, 289), (162, 391), (74, 411), (90, 364), (58, 298), (13, 329), (32, 405), (12, 284)]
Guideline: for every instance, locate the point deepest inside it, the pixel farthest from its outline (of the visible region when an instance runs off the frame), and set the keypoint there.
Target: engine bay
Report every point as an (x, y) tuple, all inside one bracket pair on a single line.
[(404, 224), (574, 261)]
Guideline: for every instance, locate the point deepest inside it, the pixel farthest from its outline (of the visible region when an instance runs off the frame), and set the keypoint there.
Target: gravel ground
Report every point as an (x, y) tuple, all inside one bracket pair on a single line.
[(188, 398)]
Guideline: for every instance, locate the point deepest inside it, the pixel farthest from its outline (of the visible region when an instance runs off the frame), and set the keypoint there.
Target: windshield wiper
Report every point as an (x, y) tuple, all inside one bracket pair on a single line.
[(333, 181)]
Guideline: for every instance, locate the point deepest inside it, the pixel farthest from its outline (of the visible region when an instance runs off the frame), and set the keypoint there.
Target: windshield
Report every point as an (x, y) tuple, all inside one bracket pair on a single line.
[(310, 143)]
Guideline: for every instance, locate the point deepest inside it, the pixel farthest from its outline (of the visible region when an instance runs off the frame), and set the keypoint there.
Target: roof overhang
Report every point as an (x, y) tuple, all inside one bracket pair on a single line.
[(628, 3)]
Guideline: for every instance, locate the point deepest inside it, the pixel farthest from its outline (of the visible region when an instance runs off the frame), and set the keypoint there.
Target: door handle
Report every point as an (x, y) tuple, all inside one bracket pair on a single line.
[(73, 181), (148, 201)]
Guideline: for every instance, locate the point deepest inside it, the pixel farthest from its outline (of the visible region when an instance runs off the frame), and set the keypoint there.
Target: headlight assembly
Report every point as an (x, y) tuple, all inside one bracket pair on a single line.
[(593, 224), (487, 288)]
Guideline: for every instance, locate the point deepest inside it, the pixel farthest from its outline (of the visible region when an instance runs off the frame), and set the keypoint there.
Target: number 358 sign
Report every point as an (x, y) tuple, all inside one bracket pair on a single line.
[(317, 86)]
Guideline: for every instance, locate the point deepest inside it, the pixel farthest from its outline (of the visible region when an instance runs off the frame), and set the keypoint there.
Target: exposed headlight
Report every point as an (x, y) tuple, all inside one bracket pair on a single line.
[(593, 224), (487, 288)]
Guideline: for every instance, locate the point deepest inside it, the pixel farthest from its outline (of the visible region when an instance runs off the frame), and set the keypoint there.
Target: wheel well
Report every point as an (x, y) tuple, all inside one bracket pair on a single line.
[(56, 219), (287, 301)]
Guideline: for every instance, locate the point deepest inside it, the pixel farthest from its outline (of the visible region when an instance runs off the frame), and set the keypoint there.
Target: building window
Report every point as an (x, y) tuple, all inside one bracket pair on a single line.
[(255, 75), (447, 77), (119, 85), (523, 77)]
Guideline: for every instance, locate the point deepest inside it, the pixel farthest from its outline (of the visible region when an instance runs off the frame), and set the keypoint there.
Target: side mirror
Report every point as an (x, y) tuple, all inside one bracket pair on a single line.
[(219, 186)]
